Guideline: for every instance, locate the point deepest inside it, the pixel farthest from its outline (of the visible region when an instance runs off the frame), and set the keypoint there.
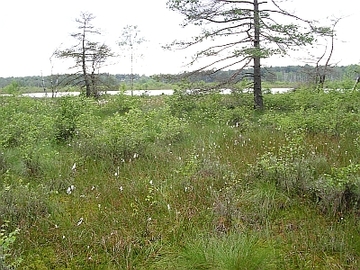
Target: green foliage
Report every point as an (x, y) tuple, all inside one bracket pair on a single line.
[(331, 113), (126, 136), (211, 107), (21, 203), (120, 103), (25, 122), (185, 181), (296, 168), (13, 88), (339, 191), (181, 103), (6, 242), (233, 251), (68, 115)]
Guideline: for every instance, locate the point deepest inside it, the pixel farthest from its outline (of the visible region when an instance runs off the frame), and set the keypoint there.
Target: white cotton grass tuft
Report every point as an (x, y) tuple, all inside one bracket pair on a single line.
[(70, 189), (117, 173), (80, 222)]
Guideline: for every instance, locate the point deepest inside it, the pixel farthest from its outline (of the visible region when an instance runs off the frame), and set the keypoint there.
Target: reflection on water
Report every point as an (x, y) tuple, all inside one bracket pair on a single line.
[(138, 92)]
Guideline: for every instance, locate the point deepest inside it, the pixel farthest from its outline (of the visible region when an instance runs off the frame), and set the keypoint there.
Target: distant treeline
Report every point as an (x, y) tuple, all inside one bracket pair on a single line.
[(60, 80), (107, 81), (291, 74), (285, 74)]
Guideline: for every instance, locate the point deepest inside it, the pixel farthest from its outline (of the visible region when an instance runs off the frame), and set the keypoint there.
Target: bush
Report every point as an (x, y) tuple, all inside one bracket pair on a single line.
[(20, 203), (25, 122), (7, 239), (300, 172), (69, 113), (123, 136)]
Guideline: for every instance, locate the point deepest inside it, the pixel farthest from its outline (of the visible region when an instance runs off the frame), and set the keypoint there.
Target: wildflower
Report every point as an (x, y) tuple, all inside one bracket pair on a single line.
[(92, 188), (79, 222), (150, 182), (136, 155), (73, 168), (121, 188)]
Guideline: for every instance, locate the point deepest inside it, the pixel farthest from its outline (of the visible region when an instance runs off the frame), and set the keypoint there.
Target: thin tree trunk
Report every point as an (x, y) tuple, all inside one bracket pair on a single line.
[(258, 98), (356, 83), (86, 79)]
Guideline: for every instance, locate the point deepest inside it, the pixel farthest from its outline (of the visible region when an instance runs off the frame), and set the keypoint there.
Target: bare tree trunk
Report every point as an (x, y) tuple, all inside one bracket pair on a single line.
[(356, 83), (83, 59), (321, 76), (132, 69), (258, 98)]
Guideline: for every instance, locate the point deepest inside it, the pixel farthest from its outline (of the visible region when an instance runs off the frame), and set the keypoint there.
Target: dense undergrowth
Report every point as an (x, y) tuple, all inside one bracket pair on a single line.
[(181, 182)]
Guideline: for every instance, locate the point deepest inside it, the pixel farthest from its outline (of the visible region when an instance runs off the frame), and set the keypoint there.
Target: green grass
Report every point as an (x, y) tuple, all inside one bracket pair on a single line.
[(213, 185)]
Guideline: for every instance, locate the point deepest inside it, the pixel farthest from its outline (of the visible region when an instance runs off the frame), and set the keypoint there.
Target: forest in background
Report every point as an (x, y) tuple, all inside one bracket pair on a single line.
[(276, 75)]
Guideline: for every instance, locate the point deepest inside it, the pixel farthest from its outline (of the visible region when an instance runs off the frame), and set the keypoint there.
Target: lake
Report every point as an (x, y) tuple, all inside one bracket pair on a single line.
[(138, 92)]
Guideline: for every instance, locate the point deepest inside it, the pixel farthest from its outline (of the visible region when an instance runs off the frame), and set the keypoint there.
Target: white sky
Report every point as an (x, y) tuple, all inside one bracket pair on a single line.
[(32, 30)]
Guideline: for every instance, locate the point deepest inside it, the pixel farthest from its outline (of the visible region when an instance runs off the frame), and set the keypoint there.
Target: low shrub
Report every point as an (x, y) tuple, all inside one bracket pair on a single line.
[(20, 203), (299, 171), (7, 240), (69, 115), (123, 136)]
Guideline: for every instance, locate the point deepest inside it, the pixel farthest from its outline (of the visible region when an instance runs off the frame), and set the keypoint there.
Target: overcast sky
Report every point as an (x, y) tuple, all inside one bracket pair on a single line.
[(32, 30)]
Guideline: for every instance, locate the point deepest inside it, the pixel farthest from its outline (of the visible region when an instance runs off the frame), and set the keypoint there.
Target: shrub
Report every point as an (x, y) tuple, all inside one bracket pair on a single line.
[(123, 136), (69, 113), (301, 172), (20, 203), (7, 239), (338, 192), (182, 104)]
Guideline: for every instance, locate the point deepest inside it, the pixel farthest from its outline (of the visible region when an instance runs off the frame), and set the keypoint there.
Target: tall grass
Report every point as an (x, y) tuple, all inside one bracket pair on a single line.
[(182, 182)]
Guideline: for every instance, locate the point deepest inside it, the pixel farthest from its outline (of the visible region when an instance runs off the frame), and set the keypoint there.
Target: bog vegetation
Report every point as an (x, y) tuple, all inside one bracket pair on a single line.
[(188, 181)]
